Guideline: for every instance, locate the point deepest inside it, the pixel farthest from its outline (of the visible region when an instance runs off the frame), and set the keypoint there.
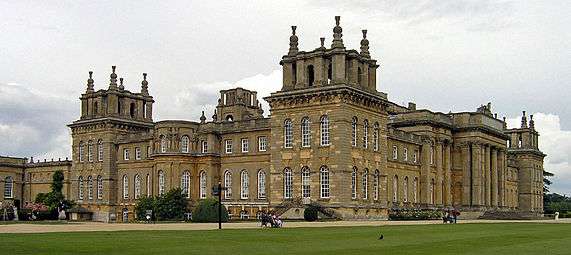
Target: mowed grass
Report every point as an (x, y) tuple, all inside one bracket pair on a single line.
[(508, 238)]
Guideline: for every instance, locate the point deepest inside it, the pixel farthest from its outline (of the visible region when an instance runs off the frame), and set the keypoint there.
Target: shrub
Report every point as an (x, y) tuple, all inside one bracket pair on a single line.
[(207, 211), (310, 213), (143, 204), (414, 214), (170, 206)]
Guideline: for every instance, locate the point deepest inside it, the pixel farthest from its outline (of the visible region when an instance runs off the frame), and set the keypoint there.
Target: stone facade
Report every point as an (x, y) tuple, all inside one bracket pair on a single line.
[(331, 140)]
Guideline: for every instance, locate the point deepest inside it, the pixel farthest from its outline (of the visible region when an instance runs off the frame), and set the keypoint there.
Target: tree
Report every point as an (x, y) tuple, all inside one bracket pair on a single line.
[(546, 181), (207, 211), (55, 198), (170, 206), (310, 213)]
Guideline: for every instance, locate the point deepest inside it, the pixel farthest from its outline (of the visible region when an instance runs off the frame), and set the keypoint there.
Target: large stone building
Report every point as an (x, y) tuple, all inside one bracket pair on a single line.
[(331, 140)]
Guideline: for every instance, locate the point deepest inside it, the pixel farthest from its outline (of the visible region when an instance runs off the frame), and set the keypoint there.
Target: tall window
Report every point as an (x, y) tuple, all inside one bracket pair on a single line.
[(414, 189), (305, 132), (184, 141), (228, 146), (185, 184), (164, 144), (99, 150), (90, 151), (365, 184), (305, 183), (288, 134), (431, 155), (137, 186), (288, 183), (324, 126), (148, 184), (376, 185), (149, 152), (324, 182), (245, 145), (395, 152), (80, 187), (90, 187), (228, 184), (395, 188), (125, 187), (354, 132), (376, 136), (204, 146), (261, 184), (202, 184), (432, 191), (80, 151), (161, 182), (137, 153), (366, 134), (415, 156), (126, 154), (9, 187), (354, 183), (244, 185), (262, 143), (405, 154), (99, 187), (405, 189)]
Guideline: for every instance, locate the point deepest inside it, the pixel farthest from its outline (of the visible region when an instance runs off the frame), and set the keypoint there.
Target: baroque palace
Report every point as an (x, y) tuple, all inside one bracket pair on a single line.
[(331, 140)]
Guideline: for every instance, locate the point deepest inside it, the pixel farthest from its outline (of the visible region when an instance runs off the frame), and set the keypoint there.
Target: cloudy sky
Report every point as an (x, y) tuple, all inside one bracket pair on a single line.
[(444, 55)]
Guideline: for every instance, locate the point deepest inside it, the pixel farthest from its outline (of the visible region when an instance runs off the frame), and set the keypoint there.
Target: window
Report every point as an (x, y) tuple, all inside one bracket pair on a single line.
[(204, 146), (90, 187), (228, 184), (395, 152), (81, 148), (126, 154), (244, 143), (202, 184), (244, 184), (431, 155), (365, 184), (366, 134), (288, 134), (148, 185), (305, 183), (324, 182), (288, 183), (99, 187), (137, 153), (261, 184), (9, 187), (305, 132), (164, 144), (405, 189), (414, 189), (376, 136), (185, 184), (228, 146), (125, 187), (262, 143), (99, 150), (405, 154), (432, 191), (90, 151), (184, 141), (80, 187), (324, 126), (137, 186), (415, 156), (395, 188), (161, 182), (354, 132), (354, 183), (149, 152), (376, 185)]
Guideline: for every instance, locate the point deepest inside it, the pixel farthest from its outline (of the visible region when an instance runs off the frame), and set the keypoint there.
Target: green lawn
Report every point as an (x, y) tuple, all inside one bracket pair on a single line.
[(515, 238)]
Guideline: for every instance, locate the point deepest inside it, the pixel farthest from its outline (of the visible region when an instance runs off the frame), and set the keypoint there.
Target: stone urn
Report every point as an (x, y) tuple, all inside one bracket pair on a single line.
[(61, 215)]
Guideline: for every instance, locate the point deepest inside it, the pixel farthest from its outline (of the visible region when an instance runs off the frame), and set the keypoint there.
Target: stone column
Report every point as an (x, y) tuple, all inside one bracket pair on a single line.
[(487, 179), (466, 175), (476, 174), (425, 174), (447, 175), (494, 179), (502, 177), (439, 174)]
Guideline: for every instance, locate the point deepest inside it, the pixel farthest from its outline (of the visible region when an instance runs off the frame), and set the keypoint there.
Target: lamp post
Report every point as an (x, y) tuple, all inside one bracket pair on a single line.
[(219, 205)]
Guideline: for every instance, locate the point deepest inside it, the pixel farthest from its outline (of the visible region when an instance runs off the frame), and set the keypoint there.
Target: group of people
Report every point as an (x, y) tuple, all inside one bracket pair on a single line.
[(271, 219), (450, 216)]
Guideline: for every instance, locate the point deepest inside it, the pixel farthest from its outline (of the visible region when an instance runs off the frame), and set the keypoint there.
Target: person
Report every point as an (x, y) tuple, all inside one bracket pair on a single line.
[(455, 215), (265, 219), (447, 218)]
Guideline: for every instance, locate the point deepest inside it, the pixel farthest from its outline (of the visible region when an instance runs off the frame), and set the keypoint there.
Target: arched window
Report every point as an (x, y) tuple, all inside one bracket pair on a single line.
[(161, 183), (80, 187), (395, 189), (185, 184), (244, 184), (184, 141), (324, 182), (354, 132), (228, 184), (164, 143), (229, 118), (329, 73), (294, 73), (288, 183), (376, 136), (432, 197), (80, 151), (359, 74), (90, 187), (99, 187), (366, 134), (125, 187), (405, 189), (132, 110), (261, 184), (148, 184), (305, 182), (96, 108), (365, 184), (376, 185), (202, 177), (310, 75), (99, 150), (405, 154), (90, 151), (395, 152), (288, 134), (354, 183), (8, 187), (305, 132), (137, 186), (324, 126), (415, 189)]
